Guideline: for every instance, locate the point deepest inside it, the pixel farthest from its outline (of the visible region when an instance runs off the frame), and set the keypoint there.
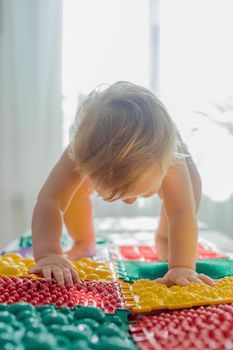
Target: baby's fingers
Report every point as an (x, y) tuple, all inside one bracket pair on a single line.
[(74, 276), (68, 277), (58, 275), (195, 279), (206, 279), (47, 272), (163, 280), (182, 281)]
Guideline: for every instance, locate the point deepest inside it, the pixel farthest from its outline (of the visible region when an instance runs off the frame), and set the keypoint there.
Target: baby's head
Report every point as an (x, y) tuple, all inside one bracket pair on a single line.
[(124, 140)]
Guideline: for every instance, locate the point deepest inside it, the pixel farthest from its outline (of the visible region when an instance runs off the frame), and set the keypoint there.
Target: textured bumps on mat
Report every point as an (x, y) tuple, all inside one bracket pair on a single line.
[(13, 264), (25, 327), (148, 253), (105, 295), (146, 296), (190, 329), (130, 271)]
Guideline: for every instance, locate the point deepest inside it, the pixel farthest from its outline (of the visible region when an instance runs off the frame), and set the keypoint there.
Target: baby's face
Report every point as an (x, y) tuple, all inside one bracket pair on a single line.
[(148, 185)]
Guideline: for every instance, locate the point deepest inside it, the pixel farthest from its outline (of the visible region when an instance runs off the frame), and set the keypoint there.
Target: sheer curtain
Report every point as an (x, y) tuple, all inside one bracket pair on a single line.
[(30, 106)]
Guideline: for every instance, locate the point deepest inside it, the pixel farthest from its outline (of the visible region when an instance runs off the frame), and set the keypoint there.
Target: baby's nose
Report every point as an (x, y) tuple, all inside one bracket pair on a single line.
[(129, 200)]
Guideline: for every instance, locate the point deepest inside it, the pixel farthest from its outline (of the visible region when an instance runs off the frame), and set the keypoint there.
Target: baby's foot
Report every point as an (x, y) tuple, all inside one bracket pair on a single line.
[(80, 250), (161, 245)]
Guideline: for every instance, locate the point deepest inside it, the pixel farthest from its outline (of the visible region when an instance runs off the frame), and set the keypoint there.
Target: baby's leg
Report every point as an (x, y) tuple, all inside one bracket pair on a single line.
[(78, 219), (161, 238)]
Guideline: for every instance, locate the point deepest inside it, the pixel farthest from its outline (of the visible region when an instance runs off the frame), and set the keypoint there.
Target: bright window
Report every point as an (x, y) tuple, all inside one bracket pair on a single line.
[(103, 41), (109, 40), (196, 73)]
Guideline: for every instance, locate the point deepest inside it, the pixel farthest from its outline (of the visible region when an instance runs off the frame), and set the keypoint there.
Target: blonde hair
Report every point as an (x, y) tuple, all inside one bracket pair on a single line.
[(119, 133)]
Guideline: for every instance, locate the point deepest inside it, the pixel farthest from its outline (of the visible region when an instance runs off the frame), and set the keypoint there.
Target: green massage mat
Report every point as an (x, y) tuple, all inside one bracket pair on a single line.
[(130, 271)]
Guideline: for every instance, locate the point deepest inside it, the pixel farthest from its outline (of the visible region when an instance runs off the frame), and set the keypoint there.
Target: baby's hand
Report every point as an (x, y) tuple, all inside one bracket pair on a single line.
[(57, 266), (184, 276)]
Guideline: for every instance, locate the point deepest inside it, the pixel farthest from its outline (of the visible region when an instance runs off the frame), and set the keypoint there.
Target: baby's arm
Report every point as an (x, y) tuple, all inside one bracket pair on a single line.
[(179, 204), (53, 200)]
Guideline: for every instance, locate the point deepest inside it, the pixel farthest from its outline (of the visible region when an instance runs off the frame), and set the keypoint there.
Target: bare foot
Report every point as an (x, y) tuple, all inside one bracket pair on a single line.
[(161, 245), (81, 250)]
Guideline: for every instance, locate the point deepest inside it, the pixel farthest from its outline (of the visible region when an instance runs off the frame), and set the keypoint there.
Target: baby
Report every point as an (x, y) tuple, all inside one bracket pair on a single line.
[(124, 146)]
